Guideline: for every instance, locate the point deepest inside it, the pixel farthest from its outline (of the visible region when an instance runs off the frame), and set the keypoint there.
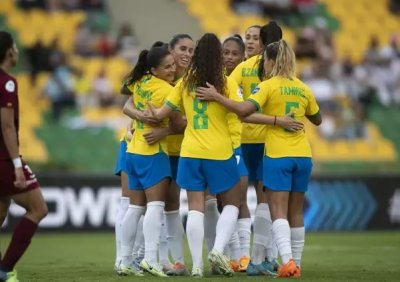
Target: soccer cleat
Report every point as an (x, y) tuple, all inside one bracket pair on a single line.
[(215, 270), (12, 276), (197, 272), (153, 269), (261, 269), (275, 264), (220, 261), (289, 269), (234, 265), (167, 267), (178, 269), (243, 263), (124, 270)]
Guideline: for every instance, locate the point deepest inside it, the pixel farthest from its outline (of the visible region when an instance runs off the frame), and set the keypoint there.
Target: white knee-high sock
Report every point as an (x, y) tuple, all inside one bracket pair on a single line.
[(211, 216), (163, 254), (151, 230), (234, 246), (225, 227), (297, 240), (262, 233), (128, 230), (243, 228), (281, 234), (138, 247), (176, 234), (122, 208), (195, 236)]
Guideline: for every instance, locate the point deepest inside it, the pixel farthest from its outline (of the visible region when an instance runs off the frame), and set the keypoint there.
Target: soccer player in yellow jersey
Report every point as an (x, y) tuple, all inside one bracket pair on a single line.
[(287, 161), (207, 157), (252, 41), (147, 165), (247, 75), (233, 49)]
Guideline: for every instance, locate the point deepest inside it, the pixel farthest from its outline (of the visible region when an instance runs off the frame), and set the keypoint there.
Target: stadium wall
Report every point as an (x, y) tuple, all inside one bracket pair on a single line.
[(88, 203), (153, 20)]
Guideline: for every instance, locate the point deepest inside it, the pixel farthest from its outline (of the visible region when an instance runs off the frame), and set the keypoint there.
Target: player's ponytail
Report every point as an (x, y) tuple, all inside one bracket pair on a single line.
[(284, 57), (269, 33), (139, 70)]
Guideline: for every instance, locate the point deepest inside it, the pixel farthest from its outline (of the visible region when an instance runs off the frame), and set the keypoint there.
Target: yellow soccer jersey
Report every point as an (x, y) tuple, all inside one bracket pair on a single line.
[(280, 96), (207, 133), (154, 90), (234, 123), (175, 141), (246, 76)]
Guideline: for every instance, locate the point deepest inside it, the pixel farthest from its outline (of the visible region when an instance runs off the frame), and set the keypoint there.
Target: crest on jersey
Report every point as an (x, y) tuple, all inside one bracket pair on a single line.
[(255, 90), (10, 86)]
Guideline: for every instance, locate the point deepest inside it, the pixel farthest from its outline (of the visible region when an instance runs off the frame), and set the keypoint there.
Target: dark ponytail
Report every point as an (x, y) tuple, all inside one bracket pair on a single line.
[(269, 33), (147, 59)]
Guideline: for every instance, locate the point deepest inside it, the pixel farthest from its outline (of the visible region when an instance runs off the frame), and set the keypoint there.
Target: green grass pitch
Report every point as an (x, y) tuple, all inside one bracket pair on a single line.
[(367, 256)]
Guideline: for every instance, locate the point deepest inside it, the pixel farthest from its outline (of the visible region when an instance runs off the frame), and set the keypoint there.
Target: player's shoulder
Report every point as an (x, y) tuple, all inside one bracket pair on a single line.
[(8, 83)]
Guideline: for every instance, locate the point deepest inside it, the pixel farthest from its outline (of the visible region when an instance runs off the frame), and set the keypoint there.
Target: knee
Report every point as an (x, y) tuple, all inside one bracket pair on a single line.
[(295, 219), (39, 212)]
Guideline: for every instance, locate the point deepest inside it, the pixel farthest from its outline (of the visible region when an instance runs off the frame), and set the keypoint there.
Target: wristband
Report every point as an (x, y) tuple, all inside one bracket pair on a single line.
[(17, 162)]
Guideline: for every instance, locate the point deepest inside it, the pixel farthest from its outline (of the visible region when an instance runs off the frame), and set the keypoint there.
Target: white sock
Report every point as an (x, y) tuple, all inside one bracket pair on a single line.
[(243, 228), (151, 230), (176, 234), (211, 216), (122, 208), (128, 230), (138, 247), (262, 230), (234, 246), (281, 231), (163, 247), (297, 235), (195, 236), (225, 227), (227, 251)]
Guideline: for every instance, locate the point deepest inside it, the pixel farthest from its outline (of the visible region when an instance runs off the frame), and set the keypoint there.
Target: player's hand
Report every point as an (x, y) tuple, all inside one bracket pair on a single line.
[(20, 180), (128, 135), (208, 93), (147, 117), (288, 122), (152, 112), (155, 135)]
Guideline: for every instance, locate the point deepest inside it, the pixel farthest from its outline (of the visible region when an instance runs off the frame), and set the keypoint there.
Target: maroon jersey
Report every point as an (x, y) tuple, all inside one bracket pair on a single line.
[(8, 99)]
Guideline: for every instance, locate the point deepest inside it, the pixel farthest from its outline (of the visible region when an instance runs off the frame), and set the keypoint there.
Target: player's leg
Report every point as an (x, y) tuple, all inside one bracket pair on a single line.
[(223, 178), (191, 177), (175, 230), (243, 225), (278, 178), (129, 223), (36, 209), (211, 216), (301, 177), (4, 205)]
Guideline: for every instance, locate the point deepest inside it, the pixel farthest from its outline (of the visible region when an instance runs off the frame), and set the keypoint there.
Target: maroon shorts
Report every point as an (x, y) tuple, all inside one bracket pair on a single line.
[(7, 178)]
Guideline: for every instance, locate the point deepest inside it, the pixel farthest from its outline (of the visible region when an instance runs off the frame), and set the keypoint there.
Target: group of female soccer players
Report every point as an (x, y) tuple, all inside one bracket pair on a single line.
[(210, 118)]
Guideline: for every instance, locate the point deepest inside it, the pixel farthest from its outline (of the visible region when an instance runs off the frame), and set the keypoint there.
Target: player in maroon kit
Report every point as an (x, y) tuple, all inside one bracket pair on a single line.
[(17, 182)]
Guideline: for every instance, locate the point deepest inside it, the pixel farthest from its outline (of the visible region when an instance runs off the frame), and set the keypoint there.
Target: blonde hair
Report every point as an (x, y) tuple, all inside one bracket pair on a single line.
[(284, 57)]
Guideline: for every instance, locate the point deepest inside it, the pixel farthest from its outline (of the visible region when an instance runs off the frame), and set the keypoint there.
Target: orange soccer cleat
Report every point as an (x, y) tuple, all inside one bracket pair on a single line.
[(234, 265), (244, 263), (289, 269)]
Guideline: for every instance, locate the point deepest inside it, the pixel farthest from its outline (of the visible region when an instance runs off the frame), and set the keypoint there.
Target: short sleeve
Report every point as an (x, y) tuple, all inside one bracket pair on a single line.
[(236, 74), (8, 93), (234, 91), (312, 107), (174, 99), (260, 95)]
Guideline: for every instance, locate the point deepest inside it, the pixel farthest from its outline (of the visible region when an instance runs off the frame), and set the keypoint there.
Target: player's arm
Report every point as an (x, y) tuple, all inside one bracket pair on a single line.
[(286, 122), (209, 93), (130, 110), (316, 119), (177, 125), (10, 139)]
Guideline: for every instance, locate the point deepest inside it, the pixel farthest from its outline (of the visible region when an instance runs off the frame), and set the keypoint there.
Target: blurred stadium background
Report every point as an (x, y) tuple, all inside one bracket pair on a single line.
[(347, 51)]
